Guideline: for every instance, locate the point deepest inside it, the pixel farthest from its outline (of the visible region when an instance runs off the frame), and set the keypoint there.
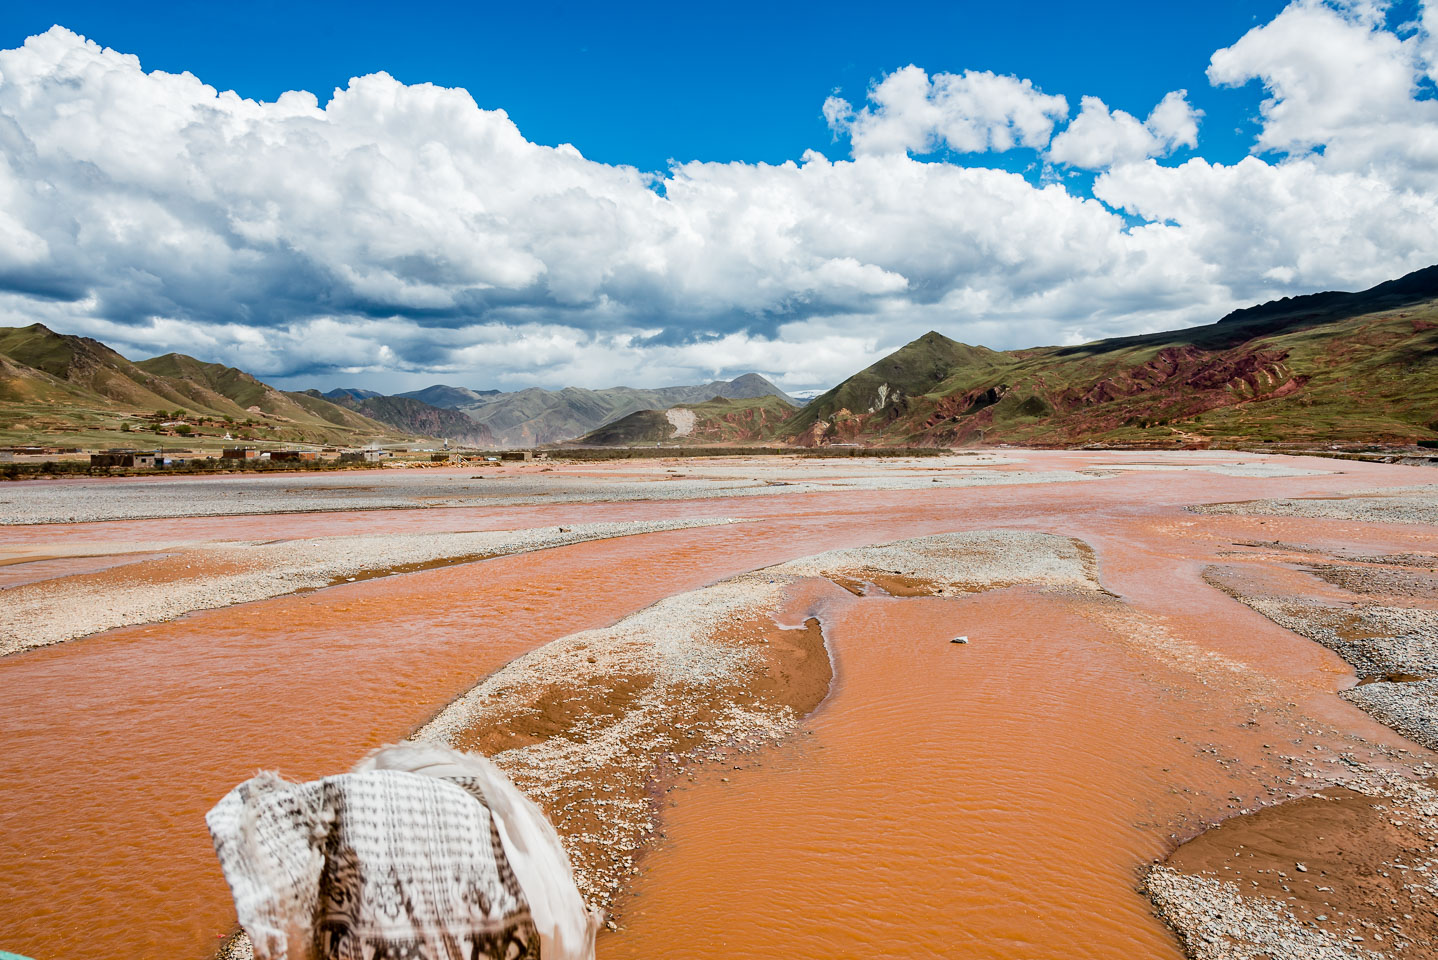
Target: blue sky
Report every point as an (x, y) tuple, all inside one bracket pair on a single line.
[(643, 85), (406, 235)]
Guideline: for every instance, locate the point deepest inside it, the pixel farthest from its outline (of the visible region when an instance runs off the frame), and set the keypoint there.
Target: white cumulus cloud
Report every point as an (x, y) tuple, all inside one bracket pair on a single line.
[(398, 234), (968, 112), (1099, 138), (1339, 82)]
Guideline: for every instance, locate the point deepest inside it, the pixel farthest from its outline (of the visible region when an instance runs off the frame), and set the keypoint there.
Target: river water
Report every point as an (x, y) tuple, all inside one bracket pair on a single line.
[(995, 799)]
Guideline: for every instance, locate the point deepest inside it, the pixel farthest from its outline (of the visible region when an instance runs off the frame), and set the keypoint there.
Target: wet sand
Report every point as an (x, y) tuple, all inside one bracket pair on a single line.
[(120, 741), (88, 500), (1355, 868)]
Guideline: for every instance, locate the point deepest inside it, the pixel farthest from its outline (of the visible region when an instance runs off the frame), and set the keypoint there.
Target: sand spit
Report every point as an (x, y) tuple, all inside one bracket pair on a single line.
[(1399, 505), (982, 560), (30, 553), (1407, 576), (591, 725), (1381, 640), (220, 574), (85, 501), (1380, 614), (1378, 641), (1255, 469), (1409, 707)]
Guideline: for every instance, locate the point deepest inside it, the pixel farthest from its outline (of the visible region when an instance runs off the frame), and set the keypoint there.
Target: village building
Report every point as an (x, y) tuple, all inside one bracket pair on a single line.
[(147, 461)]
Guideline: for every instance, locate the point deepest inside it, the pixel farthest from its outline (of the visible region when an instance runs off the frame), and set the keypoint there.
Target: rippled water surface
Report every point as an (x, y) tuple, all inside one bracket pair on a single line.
[(977, 800)]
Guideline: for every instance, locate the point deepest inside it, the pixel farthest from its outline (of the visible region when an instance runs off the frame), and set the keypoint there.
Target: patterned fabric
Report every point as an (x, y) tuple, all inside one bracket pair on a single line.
[(376, 865)]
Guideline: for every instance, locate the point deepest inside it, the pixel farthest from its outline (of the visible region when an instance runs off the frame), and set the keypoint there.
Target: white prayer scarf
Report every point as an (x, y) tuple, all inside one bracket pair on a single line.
[(420, 853)]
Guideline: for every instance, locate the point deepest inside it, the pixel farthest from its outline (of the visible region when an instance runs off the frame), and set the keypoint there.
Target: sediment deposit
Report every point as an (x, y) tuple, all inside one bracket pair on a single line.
[(1405, 505), (1349, 873), (146, 498), (206, 576)]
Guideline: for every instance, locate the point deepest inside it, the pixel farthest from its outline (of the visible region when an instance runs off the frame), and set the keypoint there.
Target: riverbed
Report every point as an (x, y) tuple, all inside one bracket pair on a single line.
[(999, 798)]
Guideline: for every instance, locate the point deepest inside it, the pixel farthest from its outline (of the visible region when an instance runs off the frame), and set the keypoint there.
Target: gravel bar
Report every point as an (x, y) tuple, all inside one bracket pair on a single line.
[(1399, 505), (217, 575), (1215, 921), (1411, 708), (87, 501)]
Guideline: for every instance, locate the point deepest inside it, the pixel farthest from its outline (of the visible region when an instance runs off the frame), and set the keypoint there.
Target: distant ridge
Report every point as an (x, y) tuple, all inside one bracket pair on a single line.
[(451, 398), (1416, 287), (416, 417), (1328, 366), (354, 393), (719, 420), (536, 416)]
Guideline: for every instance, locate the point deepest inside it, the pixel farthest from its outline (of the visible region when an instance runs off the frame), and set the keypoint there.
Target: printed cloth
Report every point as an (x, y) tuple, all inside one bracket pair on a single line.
[(412, 856)]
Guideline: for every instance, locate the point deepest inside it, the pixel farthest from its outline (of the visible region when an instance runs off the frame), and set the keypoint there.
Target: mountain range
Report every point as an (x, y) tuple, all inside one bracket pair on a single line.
[(62, 389), (411, 415), (534, 416), (1333, 366)]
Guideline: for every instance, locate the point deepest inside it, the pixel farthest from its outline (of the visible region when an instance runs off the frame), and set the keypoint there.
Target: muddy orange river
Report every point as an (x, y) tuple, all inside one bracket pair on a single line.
[(994, 799)]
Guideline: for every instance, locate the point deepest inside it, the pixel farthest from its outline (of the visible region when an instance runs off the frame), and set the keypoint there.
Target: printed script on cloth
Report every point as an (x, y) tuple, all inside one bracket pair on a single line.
[(421, 853)]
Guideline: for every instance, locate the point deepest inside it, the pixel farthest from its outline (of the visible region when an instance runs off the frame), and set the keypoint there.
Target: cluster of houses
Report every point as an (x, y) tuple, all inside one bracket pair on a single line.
[(7, 454), (238, 456), (126, 458), (143, 460)]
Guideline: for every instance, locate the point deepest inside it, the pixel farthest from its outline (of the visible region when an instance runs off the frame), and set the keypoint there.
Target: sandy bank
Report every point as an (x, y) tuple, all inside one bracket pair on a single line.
[(1399, 505), (220, 574), (1344, 873)]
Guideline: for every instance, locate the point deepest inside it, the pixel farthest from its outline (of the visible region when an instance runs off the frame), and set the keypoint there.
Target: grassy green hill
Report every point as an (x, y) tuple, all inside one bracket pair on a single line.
[(887, 387), (74, 391), (215, 386), (87, 366), (1349, 367)]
